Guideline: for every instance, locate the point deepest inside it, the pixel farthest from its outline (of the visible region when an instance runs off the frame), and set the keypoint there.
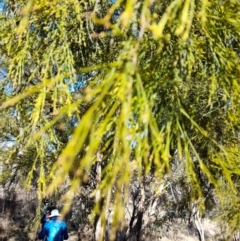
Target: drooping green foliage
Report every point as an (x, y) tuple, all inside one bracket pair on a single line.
[(136, 81)]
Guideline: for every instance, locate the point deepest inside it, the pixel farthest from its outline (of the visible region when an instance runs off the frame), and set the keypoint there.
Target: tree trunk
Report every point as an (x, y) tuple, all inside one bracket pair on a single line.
[(198, 223), (99, 230), (140, 213)]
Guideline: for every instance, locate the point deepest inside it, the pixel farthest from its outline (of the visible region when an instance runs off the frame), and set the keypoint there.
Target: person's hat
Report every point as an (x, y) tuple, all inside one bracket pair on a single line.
[(54, 213)]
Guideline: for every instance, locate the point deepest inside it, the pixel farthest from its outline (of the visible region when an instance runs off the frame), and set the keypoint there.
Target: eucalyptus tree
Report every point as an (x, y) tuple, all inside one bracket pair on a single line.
[(134, 82)]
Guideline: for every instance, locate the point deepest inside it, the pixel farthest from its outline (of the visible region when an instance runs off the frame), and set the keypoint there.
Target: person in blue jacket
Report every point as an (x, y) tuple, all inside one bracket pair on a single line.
[(54, 230), (47, 213)]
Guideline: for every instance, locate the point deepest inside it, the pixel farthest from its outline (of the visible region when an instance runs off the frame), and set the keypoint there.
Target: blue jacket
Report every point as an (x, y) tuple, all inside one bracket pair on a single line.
[(54, 230), (44, 219)]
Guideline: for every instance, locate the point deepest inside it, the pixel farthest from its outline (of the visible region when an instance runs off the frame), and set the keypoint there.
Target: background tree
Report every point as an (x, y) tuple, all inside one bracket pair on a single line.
[(140, 82)]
